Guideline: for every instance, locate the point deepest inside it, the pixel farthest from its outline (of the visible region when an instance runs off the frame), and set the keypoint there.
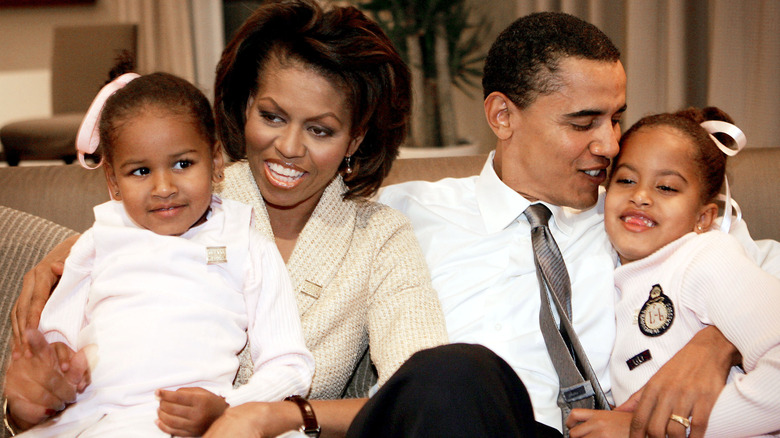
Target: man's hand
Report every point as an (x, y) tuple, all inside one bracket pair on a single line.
[(42, 379), (687, 385), (594, 424), (36, 288), (188, 411)]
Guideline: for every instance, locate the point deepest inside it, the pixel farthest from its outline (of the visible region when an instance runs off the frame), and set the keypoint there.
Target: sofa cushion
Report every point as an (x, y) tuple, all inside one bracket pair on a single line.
[(64, 194)]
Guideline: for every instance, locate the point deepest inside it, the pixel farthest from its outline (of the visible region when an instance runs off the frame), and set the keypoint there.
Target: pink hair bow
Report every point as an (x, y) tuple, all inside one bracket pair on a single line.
[(88, 138)]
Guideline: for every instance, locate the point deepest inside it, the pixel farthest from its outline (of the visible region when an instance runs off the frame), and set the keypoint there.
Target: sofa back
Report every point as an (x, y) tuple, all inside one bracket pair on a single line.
[(66, 194)]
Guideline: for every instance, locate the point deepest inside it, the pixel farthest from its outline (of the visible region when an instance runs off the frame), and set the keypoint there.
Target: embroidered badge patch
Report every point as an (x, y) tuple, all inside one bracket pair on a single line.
[(216, 255), (657, 314)]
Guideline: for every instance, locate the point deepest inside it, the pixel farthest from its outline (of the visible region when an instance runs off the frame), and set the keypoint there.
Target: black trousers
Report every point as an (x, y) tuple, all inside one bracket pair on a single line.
[(455, 390)]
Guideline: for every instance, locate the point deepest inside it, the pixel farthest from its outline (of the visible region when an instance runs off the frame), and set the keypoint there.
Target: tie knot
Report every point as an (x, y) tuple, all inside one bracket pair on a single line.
[(538, 215)]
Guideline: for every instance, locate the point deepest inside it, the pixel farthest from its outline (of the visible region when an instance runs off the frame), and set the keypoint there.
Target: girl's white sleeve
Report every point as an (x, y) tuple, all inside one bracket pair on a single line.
[(63, 316), (282, 364), (743, 301)]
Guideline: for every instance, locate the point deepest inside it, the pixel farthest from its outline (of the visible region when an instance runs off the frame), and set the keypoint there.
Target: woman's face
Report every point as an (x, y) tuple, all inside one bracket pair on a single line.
[(298, 131)]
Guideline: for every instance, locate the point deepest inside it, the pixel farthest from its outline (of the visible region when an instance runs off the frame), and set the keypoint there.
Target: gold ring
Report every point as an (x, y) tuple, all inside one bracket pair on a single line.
[(682, 420)]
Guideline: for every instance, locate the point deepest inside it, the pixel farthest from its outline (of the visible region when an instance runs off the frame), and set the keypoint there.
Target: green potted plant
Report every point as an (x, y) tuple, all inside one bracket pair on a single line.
[(441, 41)]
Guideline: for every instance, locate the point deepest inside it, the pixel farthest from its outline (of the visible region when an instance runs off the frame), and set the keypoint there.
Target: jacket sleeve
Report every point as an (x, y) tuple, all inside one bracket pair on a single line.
[(404, 314)]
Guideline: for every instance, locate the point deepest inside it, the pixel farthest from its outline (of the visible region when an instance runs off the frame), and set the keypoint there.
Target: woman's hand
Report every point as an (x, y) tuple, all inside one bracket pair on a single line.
[(245, 421), (276, 418), (592, 424), (188, 411), (36, 288), (42, 379), (687, 385)]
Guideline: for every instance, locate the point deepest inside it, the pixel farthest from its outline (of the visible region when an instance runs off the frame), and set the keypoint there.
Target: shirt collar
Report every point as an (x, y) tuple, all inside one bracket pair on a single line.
[(500, 205)]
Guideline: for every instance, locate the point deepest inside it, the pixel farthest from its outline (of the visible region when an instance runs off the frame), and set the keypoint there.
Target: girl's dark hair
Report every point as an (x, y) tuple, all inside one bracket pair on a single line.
[(342, 45), (709, 159), (161, 90)]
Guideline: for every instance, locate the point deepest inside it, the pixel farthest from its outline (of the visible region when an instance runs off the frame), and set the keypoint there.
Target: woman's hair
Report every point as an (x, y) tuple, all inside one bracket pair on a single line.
[(345, 47), (161, 91), (709, 159)]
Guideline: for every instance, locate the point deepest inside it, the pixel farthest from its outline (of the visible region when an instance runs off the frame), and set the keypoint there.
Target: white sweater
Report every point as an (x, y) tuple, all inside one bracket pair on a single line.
[(163, 314), (710, 281)]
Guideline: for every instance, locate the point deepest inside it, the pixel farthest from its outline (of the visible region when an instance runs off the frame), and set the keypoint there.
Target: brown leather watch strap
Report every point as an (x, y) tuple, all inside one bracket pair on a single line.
[(310, 427)]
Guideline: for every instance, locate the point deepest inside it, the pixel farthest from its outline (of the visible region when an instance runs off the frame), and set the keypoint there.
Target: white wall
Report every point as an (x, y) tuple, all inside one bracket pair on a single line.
[(24, 94)]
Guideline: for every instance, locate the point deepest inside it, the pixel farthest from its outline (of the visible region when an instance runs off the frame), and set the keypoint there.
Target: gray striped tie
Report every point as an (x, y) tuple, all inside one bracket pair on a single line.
[(562, 344)]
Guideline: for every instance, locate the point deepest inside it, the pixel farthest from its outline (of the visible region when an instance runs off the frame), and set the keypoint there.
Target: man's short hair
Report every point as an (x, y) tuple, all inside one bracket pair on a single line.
[(523, 61)]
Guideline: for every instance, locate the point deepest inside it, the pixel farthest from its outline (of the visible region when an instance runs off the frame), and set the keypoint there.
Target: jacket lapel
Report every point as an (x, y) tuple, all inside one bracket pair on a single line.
[(322, 245)]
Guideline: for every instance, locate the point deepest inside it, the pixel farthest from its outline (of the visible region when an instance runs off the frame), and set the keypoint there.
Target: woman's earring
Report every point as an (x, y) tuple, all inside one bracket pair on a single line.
[(348, 160)]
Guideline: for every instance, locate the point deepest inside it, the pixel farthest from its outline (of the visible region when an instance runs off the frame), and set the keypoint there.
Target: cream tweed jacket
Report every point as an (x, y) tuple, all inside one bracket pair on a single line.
[(359, 278)]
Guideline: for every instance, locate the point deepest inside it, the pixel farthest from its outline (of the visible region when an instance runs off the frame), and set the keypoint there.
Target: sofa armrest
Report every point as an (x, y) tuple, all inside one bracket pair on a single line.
[(24, 240)]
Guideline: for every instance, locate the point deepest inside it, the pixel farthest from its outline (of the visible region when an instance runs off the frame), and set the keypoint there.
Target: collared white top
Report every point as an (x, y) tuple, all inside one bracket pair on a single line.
[(157, 314), (477, 243)]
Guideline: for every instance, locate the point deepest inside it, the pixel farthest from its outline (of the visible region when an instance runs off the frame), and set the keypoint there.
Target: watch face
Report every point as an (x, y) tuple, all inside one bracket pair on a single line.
[(657, 314)]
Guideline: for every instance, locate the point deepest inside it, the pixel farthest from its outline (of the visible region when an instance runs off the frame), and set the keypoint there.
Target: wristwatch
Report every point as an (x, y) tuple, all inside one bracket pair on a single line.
[(310, 427)]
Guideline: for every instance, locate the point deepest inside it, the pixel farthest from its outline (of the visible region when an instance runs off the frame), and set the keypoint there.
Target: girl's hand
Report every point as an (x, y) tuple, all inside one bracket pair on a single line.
[(188, 411), (36, 288), (592, 424), (42, 379)]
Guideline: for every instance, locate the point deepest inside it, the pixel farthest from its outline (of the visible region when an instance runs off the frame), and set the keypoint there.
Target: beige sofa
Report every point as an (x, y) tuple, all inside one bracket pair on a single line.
[(43, 205)]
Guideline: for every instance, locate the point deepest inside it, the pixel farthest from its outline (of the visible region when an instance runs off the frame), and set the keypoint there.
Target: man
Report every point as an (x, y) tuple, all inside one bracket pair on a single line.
[(555, 91)]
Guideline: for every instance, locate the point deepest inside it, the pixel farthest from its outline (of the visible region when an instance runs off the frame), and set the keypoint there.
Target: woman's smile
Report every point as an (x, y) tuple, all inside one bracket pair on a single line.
[(281, 175)]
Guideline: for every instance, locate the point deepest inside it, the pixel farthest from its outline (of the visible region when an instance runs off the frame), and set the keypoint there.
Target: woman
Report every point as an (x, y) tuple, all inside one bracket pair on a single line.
[(314, 105)]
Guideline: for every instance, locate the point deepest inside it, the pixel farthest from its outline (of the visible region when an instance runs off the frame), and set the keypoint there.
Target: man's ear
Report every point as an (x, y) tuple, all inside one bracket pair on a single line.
[(113, 185), (497, 111), (707, 215), (217, 163)]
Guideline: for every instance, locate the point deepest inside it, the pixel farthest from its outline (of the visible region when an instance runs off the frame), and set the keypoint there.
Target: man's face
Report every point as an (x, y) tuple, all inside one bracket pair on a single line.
[(561, 145)]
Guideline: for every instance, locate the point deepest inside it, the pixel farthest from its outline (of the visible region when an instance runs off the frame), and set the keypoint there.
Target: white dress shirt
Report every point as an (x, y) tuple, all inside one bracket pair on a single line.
[(477, 243)]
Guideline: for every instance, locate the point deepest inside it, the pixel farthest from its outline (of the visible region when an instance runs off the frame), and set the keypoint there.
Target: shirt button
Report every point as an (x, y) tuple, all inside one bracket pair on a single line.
[(498, 327)]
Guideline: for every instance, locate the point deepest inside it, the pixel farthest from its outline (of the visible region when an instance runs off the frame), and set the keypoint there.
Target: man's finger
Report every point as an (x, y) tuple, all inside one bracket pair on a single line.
[(642, 414), (700, 416), (631, 404)]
